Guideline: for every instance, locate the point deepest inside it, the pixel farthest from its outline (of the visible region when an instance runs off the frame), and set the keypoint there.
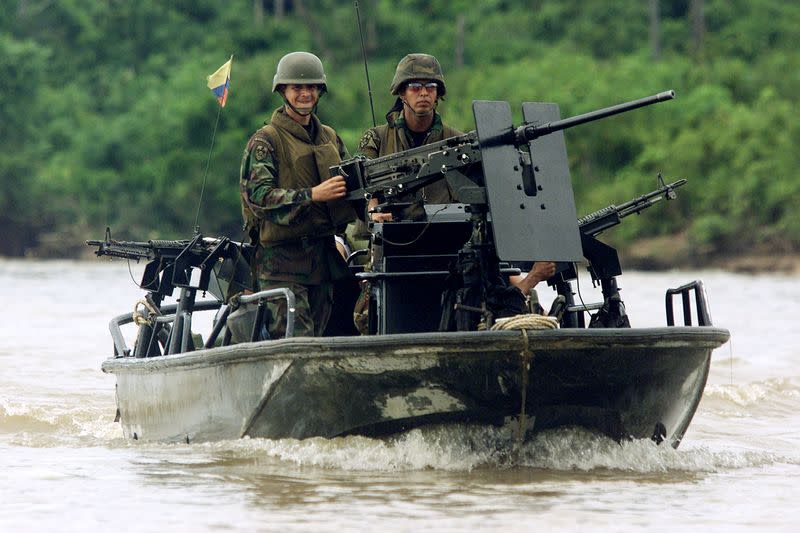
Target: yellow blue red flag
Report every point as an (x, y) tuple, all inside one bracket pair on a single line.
[(220, 82)]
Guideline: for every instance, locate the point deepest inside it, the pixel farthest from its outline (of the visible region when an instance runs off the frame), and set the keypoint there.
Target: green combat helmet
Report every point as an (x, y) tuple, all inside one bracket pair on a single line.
[(418, 67), (299, 68)]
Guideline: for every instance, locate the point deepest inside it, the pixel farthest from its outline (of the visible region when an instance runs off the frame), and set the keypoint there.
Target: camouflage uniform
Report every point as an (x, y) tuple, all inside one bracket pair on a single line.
[(295, 235)]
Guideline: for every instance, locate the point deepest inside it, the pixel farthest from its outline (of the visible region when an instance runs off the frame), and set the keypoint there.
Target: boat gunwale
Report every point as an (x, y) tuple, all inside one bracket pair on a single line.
[(433, 343)]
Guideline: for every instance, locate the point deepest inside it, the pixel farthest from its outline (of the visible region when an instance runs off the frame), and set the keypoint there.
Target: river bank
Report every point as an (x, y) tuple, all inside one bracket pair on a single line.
[(742, 264), (675, 252)]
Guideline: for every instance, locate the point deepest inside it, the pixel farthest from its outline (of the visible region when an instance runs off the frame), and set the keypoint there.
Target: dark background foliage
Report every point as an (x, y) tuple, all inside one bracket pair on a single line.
[(106, 120)]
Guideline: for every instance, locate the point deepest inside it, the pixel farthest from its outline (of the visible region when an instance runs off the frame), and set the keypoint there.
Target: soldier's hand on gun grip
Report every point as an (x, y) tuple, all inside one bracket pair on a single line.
[(331, 189), (381, 217), (378, 217), (542, 270)]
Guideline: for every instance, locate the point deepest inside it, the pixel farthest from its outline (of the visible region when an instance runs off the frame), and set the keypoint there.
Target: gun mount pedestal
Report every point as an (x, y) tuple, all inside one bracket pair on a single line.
[(604, 267), (411, 261)]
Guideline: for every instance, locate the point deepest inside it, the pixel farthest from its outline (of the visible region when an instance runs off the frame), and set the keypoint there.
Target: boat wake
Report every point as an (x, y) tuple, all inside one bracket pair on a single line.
[(466, 448), (453, 447)]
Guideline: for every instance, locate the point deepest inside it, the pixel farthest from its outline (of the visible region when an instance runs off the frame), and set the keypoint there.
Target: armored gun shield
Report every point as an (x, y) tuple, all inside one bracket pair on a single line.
[(529, 193)]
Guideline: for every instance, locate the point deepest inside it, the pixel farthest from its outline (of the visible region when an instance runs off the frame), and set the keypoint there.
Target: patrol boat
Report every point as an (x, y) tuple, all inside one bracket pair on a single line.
[(449, 341)]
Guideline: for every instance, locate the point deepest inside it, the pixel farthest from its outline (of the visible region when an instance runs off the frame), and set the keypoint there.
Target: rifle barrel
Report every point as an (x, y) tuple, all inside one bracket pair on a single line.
[(602, 219), (650, 198)]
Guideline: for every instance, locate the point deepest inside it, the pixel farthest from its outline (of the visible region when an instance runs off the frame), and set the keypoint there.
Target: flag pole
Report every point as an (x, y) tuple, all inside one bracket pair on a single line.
[(205, 174), (221, 92)]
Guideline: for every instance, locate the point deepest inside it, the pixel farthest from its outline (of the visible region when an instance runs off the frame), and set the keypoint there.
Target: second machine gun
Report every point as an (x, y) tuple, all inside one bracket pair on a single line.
[(515, 183), (603, 259), (222, 266)]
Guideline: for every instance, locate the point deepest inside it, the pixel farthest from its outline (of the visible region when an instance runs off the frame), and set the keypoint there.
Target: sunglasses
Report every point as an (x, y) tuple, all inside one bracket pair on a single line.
[(416, 86)]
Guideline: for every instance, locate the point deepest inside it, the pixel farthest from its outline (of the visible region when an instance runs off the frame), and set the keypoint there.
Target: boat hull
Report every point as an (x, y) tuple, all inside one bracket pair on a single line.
[(626, 383)]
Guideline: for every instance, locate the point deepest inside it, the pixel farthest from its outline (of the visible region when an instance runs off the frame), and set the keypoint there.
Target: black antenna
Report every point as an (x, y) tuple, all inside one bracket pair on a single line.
[(364, 55), (205, 174)]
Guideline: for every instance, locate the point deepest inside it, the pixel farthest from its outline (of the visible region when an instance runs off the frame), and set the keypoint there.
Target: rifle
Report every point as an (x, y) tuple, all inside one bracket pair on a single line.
[(607, 217)]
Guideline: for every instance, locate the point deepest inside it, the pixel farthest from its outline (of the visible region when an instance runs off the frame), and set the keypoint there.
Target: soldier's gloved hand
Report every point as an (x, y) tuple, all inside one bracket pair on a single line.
[(331, 189)]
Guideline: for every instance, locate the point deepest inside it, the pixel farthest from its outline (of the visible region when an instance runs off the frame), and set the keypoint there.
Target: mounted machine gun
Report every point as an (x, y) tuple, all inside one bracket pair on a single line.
[(517, 189), (222, 269), (220, 261), (603, 260)]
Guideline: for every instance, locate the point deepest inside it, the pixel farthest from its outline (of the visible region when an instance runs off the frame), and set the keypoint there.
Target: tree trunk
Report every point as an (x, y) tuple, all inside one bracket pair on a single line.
[(459, 56), (655, 30), (698, 20), (258, 12), (313, 27), (372, 27)]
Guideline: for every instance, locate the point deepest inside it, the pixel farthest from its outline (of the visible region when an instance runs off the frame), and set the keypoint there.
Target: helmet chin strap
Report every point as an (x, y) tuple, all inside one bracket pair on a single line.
[(302, 112), (420, 114)]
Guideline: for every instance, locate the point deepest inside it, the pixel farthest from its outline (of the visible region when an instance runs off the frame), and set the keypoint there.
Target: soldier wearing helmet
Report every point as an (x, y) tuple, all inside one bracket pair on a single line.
[(291, 208), (413, 121)]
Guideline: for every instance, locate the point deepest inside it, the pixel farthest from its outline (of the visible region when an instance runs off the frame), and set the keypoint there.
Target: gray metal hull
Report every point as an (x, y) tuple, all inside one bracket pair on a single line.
[(622, 382)]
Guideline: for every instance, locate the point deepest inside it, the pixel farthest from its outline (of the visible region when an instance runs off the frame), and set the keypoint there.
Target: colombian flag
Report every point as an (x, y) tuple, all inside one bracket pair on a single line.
[(220, 82)]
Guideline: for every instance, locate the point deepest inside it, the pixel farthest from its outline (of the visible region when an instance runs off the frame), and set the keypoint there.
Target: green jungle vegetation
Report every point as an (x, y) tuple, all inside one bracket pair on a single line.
[(106, 120)]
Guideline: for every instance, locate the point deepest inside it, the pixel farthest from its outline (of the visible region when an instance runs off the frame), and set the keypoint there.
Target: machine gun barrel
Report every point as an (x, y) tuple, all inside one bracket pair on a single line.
[(602, 219), (139, 250), (526, 133)]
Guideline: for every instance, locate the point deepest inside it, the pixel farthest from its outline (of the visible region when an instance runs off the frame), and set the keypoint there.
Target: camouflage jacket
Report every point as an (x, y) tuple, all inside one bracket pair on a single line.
[(393, 137), (280, 165)]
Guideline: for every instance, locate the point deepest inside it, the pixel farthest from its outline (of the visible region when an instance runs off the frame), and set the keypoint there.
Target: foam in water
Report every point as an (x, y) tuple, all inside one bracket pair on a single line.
[(464, 448), (447, 447), (755, 393), (53, 423)]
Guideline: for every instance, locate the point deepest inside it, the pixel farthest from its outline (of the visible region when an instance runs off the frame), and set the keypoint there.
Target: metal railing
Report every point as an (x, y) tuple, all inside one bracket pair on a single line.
[(700, 303), (176, 320)]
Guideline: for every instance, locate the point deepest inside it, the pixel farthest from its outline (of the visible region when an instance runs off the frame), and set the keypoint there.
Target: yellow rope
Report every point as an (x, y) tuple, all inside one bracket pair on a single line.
[(525, 323)]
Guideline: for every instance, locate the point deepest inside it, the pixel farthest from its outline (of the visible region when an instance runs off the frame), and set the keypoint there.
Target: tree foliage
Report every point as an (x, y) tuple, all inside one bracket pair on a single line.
[(106, 119)]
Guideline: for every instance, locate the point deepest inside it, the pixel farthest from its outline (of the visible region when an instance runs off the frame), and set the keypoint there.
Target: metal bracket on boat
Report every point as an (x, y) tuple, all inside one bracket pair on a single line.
[(167, 316), (700, 302)]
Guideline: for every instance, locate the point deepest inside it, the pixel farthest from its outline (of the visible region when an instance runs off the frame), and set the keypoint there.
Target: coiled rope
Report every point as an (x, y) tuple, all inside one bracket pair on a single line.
[(140, 318), (524, 322)]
